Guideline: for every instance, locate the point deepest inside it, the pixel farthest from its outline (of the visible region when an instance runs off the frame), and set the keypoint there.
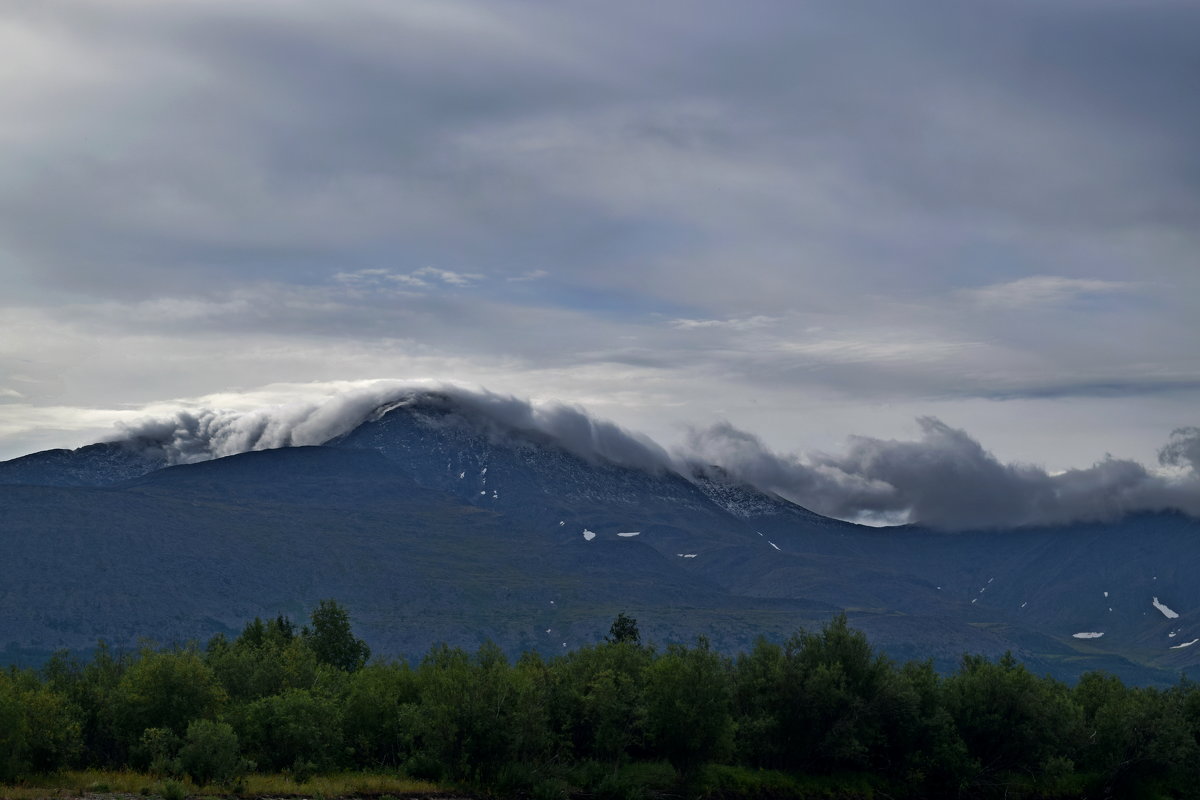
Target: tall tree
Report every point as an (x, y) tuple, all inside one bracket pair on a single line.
[(624, 630), (332, 640), (688, 696)]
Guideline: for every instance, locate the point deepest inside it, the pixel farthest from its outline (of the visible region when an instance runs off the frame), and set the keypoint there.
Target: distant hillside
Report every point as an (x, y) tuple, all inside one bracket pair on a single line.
[(431, 525)]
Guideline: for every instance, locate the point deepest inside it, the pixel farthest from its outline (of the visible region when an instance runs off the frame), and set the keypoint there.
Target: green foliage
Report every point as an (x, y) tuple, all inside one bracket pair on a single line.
[(331, 639), (294, 727), (597, 700), (1135, 737), (834, 689), (210, 753), (90, 691), (688, 702), (168, 690), (172, 789), (758, 681), (821, 716), (39, 729), (1011, 720), (13, 732), (158, 750), (470, 704), (624, 630), (379, 713), (263, 661)]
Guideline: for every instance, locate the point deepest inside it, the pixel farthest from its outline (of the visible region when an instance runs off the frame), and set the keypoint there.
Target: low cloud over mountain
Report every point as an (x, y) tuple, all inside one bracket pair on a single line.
[(945, 478), (198, 435), (948, 479)]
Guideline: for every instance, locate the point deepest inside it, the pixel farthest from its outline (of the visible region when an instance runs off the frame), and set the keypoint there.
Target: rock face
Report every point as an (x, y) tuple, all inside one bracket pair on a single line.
[(433, 523)]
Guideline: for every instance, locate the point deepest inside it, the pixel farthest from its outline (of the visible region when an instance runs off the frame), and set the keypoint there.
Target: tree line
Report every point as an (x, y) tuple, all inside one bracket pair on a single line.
[(822, 704)]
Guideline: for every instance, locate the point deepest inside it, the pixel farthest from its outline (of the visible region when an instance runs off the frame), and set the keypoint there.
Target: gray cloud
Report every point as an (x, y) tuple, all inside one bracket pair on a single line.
[(200, 435), (849, 202), (946, 479), (1183, 449)]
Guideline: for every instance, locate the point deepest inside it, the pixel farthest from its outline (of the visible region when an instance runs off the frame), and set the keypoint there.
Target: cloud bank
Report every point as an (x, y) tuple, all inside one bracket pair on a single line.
[(944, 479), (199, 435)]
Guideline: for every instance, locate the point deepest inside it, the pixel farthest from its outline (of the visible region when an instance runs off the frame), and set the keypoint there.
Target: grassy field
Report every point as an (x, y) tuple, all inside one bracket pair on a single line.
[(102, 782)]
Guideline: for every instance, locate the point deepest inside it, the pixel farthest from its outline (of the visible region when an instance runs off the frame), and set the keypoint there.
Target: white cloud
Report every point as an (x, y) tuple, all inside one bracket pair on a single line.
[(1043, 290), (531, 275), (746, 324)]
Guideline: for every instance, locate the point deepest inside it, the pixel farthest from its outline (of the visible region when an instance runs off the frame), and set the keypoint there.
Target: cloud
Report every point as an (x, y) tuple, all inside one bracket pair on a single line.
[(202, 434), (946, 479), (531, 275), (1042, 290), (423, 278), (988, 202), (1183, 449), (744, 324)]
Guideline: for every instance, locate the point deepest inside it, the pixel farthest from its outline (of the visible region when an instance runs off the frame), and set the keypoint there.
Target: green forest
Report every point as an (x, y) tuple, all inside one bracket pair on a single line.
[(820, 715)]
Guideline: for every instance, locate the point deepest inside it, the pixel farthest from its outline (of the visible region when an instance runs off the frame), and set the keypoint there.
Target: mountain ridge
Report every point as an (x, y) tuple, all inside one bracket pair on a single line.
[(431, 527)]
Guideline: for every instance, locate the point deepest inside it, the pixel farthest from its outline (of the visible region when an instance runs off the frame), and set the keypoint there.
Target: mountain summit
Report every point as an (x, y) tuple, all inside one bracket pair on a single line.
[(435, 519)]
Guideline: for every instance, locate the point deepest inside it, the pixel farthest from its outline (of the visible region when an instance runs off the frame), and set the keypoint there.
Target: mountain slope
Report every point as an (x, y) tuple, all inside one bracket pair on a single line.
[(433, 523), (94, 465)]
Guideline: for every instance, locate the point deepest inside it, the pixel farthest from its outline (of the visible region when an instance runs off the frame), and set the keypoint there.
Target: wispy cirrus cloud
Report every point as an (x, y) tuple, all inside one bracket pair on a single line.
[(423, 278), (1038, 291), (744, 324)]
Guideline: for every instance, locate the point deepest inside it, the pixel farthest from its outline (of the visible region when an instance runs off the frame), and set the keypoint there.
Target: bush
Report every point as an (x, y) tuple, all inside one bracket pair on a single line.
[(616, 787), (550, 789), (424, 767), (157, 750), (210, 753), (166, 690), (295, 727), (172, 790), (515, 780), (302, 771)]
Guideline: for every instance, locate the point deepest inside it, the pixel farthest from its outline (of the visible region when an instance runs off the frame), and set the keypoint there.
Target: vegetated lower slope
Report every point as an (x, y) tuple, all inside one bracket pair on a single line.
[(435, 524), (192, 550)]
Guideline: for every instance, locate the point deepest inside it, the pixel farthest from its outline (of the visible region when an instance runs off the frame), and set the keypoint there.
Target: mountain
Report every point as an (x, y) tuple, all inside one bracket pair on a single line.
[(94, 465), (434, 522)]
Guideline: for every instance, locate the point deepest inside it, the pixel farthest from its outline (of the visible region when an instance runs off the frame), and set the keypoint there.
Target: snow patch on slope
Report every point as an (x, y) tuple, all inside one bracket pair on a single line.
[(1168, 613)]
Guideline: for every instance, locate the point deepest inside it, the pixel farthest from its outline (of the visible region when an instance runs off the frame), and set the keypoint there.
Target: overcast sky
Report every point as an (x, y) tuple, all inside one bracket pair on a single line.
[(809, 219)]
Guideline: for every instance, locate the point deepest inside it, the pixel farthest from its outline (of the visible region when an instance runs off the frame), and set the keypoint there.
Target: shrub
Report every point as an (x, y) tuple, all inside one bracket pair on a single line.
[(424, 767), (292, 728), (157, 749), (172, 790), (549, 789), (302, 771), (210, 753)]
